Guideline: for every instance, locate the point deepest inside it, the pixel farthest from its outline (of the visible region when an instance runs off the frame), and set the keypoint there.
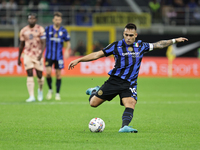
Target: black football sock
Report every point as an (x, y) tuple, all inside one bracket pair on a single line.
[(91, 96), (49, 81), (127, 116), (93, 91), (58, 84)]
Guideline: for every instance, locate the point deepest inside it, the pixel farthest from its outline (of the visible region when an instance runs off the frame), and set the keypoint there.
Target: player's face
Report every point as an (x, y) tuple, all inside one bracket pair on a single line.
[(32, 20), (57, 21), (129, 36)]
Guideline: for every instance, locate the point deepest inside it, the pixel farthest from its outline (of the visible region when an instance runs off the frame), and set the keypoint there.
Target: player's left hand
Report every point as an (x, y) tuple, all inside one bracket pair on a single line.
[(72, 64), (19, 62), (181, 39)]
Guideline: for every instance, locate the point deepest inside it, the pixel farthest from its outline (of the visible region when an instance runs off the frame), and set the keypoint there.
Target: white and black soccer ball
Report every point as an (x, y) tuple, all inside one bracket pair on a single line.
[(96, 125)]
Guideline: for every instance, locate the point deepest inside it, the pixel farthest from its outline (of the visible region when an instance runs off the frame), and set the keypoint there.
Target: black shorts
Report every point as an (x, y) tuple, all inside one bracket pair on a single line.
[(116, 86), (58, 64)]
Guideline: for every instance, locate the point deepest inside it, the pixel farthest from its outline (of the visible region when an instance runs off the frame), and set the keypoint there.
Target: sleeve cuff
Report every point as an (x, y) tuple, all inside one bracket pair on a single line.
[(105, 53), (150, 46), (43, 37)]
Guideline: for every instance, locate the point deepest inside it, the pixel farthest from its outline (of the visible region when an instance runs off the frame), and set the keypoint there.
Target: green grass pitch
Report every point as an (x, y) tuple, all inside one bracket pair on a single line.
[(167, 116)]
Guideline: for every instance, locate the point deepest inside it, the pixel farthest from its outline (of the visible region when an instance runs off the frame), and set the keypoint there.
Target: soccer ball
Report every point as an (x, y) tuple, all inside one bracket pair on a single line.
[(96, 125)]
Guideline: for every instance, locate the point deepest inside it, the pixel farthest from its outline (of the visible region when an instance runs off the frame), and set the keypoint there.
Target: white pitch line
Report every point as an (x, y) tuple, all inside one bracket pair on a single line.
[(171, 102), (170, 95), (44, 103), (87, 103)]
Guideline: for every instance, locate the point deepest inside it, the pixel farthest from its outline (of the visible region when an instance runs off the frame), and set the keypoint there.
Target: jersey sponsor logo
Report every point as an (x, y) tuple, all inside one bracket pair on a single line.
[(30, 36), (134, 54), (55, 39), (50, 32)]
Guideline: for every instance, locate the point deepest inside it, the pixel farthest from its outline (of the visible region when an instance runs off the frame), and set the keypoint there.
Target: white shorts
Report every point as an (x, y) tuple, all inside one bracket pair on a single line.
[(30, 62)]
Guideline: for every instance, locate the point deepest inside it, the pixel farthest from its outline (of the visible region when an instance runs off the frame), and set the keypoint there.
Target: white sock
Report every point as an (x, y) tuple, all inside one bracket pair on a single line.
[(30, 86), (40, 83)]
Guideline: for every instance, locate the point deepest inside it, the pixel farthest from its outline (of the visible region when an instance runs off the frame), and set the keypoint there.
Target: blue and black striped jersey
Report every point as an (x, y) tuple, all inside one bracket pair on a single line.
[(54, 42), (127, 58)]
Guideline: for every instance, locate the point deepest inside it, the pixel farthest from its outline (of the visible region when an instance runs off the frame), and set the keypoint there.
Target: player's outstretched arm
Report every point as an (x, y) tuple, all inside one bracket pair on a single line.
[(89, 57), (166, 43)]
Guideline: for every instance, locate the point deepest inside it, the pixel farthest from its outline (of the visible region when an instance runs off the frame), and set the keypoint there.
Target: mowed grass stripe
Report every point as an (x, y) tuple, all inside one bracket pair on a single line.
[(86, 103)]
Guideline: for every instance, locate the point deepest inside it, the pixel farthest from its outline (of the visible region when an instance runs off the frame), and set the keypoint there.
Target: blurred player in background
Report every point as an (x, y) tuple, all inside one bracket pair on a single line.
[(55, 36), (32, 41), (123, 77)]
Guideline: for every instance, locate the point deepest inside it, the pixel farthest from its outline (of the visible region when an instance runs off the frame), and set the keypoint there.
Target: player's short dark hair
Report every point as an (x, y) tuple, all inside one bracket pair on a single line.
[(57, 14), (131, 26), (32, 14)]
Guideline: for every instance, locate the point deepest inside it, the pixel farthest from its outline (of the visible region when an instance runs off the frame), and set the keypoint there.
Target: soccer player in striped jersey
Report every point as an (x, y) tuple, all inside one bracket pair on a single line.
[(128, 55), (32, 41), (56, 35)]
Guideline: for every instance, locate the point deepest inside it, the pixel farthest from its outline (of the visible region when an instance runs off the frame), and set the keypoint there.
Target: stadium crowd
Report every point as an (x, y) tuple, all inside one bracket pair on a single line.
[(174, 11), (11, 8), (56, 2), (171, 12)]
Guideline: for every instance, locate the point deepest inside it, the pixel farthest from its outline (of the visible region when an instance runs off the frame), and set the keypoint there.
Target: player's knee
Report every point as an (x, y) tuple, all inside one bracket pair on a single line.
[(48, 75), (39, 75), (93, 104), (132, 102), (58, 76), (29, 73)]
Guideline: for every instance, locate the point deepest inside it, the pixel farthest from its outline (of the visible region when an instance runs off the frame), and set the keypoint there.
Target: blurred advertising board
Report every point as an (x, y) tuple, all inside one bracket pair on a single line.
[(151, 66), (142, 20)]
